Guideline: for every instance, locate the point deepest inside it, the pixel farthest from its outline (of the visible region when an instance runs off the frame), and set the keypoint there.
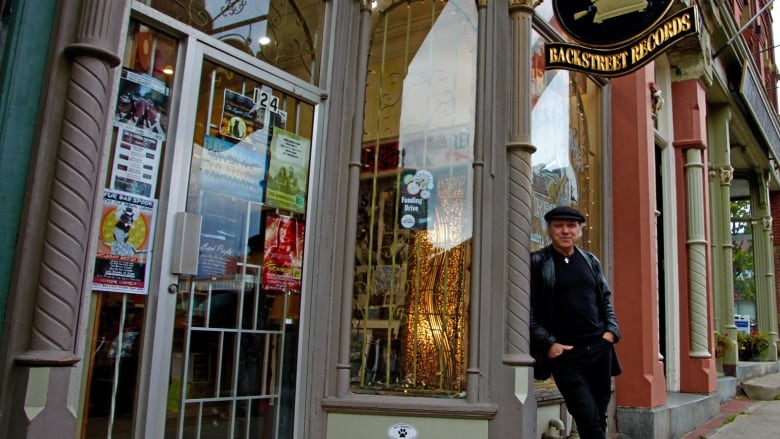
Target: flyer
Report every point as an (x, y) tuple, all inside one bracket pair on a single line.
[(288, 170), (251, 119), (220, 242), (416, 190), (142, 102), (136, 161), (125, 243), (283, 253), (238, 116), (231, 168)]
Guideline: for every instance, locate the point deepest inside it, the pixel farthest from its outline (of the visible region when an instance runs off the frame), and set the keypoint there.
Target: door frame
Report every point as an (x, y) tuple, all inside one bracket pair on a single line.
[(154, 370)]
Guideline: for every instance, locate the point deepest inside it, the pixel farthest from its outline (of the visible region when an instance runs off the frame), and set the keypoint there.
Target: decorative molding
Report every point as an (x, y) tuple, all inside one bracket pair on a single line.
[(658, 100), (726, 174), (521, 4)]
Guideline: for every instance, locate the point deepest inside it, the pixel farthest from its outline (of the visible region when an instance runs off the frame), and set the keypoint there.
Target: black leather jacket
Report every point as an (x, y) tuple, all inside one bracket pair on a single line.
[(543, 309)]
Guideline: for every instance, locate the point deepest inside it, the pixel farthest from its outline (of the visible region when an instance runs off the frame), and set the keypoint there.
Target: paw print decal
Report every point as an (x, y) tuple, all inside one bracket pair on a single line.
[(402, 431)]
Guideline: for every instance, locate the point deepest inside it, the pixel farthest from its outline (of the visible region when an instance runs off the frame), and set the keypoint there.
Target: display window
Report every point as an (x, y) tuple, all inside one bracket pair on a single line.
[(568, 165), (412, 273)]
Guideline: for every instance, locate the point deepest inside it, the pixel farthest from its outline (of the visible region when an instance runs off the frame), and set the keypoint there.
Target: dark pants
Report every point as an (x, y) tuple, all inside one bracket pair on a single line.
[(583, 376)]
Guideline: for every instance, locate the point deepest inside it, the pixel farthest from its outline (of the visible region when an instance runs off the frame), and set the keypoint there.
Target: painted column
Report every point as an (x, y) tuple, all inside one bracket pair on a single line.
[(697, 254), (698, 371), (518, 153), (635, 265), (63, 266), (774, 203), (766, 308), (475, 328), (690, 135), (519, 210), (63, 263), (343, 366), (721, 175)]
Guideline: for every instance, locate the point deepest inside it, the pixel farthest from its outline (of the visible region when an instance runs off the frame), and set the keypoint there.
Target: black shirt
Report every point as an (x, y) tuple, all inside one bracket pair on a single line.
[(576, 299)]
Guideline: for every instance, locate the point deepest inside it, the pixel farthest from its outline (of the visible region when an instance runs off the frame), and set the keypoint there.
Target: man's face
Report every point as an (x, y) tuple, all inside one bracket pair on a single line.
[(564, 233)]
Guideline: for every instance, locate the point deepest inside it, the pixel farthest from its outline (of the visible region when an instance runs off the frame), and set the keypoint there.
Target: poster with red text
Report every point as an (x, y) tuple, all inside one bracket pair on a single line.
[(283, 253)]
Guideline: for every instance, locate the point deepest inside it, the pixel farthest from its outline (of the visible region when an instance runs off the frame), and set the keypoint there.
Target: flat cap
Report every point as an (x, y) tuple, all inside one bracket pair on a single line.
[(564, 213)]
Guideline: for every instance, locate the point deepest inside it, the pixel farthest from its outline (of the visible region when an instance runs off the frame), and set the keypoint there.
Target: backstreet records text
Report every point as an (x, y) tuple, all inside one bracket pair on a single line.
[(625, 59)]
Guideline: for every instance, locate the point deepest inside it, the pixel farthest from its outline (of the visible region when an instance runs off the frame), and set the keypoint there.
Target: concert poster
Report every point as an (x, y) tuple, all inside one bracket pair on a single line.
[(283, 253), (136, 161), (125, 243), (288, 170)]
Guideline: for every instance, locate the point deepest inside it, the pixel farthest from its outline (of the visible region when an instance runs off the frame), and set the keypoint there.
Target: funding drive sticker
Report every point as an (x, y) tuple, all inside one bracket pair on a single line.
[(404, 431), (416, 190)]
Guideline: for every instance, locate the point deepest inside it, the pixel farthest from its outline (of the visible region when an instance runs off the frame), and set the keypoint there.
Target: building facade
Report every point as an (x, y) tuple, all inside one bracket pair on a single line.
[(312, 218)]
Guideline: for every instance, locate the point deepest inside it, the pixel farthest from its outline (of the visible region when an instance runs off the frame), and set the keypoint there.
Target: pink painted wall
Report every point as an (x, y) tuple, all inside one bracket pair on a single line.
[(690, 131), (635, 283)]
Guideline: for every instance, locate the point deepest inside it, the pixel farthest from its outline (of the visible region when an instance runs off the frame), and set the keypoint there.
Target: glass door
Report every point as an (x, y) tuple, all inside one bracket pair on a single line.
[(237, 311)]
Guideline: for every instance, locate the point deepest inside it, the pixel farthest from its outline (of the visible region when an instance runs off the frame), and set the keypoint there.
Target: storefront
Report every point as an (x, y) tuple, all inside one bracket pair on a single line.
[(297, 218)]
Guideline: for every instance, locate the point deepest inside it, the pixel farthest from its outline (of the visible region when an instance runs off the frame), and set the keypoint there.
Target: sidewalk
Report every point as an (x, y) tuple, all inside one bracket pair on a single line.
[(741, 419)]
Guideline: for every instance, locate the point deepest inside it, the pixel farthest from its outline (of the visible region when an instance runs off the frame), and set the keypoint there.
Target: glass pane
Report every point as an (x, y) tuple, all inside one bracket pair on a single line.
[(284, 33), (115, 360), (131, 187), (142, 108), (236, 329), (412, 278), (567, 165)]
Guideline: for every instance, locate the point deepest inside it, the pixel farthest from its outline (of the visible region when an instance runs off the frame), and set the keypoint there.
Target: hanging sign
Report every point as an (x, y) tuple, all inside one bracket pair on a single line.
[(616, 36), (605, 23)]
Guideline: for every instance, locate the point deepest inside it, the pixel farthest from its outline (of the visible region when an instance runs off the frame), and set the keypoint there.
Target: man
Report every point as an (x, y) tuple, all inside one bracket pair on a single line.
[(573, 324)]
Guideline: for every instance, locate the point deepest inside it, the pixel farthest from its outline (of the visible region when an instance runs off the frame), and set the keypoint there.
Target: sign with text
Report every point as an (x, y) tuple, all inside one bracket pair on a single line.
[(416, 189), (288, 171), (604, 58), (609, 23), (283, 253)]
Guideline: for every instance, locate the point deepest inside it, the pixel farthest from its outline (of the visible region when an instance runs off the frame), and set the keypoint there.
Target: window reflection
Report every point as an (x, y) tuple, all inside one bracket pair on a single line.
[(545, 11), (284, 33), (566, 130), (412, 266)]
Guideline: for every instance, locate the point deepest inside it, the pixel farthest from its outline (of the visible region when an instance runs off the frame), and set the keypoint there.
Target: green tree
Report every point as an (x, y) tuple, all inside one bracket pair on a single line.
[(742, 253)]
